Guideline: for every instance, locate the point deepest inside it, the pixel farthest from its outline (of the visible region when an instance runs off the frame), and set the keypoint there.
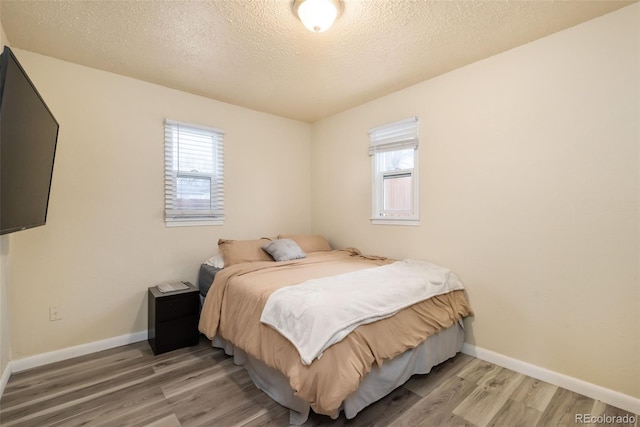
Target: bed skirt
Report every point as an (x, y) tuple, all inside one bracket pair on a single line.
[(379, 382)]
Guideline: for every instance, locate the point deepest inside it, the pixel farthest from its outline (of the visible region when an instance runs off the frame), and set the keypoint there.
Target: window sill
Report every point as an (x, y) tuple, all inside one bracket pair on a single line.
[(395, 221), (192, 223)]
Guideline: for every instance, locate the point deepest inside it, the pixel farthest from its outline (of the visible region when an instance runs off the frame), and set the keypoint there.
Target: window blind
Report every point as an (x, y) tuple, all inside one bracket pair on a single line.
[(194, 172), (400, 135)]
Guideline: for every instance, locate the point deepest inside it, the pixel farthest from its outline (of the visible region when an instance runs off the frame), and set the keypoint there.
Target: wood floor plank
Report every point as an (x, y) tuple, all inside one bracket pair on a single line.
[(141, 403), (598, 408), (211, 401), (436, 409), (563, 407), (241, 415), (168, 421), (276, 417), (611, 416), (493, 391), (142, 418), (515, 414), (535, 393), (183, 360), (477, 369), (192, 380)]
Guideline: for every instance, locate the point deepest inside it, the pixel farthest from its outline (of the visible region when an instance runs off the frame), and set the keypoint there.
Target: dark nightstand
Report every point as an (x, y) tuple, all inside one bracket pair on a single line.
[(173, 319)]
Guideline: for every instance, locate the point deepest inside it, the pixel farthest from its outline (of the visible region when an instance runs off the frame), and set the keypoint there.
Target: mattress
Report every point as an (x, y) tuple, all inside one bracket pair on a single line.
[(206, 276)]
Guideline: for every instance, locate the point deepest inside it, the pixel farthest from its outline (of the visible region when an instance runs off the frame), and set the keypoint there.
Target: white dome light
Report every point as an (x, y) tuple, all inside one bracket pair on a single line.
[(317, 15)]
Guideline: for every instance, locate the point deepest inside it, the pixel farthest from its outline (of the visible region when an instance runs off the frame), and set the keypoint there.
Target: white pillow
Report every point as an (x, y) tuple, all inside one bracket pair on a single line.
[(215, 261)]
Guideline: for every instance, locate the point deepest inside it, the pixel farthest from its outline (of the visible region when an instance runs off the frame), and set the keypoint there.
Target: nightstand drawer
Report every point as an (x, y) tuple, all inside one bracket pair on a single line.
[(169, 308), (176, 334)]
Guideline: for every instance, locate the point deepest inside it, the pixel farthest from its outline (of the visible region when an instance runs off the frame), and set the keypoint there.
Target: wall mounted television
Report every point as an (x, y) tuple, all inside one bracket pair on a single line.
[(28, 138)]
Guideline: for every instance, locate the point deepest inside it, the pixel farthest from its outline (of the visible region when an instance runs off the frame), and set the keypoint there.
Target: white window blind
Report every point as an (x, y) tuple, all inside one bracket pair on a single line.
[(194, 174), (395, 172), (395, 136)]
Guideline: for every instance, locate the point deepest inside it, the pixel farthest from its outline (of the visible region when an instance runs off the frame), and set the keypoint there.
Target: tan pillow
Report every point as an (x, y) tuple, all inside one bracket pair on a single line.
[(308, 243), (237, 251)]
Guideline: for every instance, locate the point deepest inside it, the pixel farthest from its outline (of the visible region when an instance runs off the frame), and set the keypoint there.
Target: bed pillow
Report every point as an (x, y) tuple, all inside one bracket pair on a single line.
[(237, 251), (284, 250), (308, 243), (215, 261)]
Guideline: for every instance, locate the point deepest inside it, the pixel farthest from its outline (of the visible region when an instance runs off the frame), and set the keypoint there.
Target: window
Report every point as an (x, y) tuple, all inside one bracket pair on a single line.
[(393, 149), (193, 171)]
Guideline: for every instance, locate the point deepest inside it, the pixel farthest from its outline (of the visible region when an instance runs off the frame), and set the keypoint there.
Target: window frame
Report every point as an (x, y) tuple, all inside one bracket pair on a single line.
[(397, 136), (175, 217)]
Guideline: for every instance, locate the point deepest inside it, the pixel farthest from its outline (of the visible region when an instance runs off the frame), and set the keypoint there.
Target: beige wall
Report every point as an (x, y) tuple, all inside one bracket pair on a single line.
[(529, 190), (105, 240), (5, 333)]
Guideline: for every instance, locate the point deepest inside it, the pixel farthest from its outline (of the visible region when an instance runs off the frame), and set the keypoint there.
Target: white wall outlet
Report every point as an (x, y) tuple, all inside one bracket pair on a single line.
[(54, 313)]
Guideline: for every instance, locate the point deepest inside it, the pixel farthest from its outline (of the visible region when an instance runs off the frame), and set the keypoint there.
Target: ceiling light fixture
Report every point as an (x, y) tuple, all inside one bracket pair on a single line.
[(317, 15)]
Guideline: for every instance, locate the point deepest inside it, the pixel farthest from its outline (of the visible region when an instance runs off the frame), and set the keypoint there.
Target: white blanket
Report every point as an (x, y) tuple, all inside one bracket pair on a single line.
[(315, 314)]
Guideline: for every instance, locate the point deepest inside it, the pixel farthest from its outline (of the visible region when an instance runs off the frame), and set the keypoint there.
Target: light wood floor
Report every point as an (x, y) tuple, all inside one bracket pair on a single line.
[(200, 386)]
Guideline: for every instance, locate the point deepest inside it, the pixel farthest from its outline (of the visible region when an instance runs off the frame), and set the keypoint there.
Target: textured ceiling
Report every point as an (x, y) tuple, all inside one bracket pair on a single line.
[(256, 54)]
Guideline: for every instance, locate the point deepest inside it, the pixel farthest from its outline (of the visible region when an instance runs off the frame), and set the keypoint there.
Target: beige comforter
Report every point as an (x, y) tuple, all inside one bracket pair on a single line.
[(235, 301)]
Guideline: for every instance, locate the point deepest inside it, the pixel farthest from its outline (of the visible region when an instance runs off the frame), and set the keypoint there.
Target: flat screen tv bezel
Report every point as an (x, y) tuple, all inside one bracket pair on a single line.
[(7, 55)]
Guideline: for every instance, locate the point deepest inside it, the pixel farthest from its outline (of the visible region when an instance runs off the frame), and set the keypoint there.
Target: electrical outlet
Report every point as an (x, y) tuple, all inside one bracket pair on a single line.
[(54, 313)]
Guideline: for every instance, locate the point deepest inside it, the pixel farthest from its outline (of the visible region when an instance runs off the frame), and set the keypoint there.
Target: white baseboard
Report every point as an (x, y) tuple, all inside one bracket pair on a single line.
[(78, 350), (608, 396), (5, 378)]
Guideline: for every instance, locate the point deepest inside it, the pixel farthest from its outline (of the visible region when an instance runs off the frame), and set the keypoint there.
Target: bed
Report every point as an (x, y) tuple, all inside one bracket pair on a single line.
[(357, 370)]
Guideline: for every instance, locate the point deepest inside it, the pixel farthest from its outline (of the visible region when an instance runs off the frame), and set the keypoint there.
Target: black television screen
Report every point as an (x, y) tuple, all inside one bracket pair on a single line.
[(28, 137)]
